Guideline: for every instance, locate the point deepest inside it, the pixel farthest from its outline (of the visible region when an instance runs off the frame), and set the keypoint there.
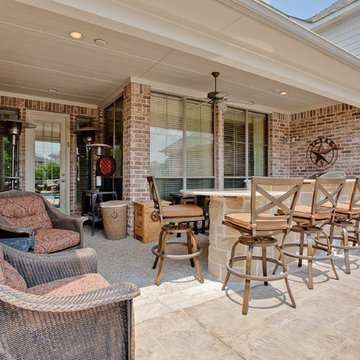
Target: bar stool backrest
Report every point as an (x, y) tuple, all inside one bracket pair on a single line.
[(274, 204), (355, 195), (155, 197), (326, 192)]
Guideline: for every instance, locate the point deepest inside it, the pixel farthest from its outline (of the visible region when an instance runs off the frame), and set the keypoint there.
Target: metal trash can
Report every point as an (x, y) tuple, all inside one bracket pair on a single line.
[(114, 219)]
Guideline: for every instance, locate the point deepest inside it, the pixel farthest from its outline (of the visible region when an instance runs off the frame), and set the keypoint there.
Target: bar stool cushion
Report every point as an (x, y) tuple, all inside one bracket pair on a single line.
[(183, 210), (343, 208), (304, 211), (244, 220)]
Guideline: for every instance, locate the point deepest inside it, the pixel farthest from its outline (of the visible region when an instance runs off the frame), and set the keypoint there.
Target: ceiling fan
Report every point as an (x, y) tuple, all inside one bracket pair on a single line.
[(220, 98)]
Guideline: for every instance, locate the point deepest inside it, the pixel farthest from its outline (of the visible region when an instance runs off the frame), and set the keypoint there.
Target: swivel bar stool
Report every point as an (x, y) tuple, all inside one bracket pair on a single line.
[(175, 219), (258, 227), (311, 221), (347, 215)]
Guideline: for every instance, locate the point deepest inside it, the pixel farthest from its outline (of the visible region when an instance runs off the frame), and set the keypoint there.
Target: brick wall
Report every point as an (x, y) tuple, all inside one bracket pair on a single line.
[(73, 111), (341, 123), (279, 160), (136, 146)]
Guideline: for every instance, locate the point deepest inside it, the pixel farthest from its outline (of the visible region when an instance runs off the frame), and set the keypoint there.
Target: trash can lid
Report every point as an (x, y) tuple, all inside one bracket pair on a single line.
[(113, 203)]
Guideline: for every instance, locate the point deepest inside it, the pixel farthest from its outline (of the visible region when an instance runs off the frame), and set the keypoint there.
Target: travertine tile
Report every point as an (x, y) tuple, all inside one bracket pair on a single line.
[(348, 351), (195, 343)]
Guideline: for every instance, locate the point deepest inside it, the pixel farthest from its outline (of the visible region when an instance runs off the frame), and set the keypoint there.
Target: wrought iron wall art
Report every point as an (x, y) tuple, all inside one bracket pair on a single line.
[(322, 153)]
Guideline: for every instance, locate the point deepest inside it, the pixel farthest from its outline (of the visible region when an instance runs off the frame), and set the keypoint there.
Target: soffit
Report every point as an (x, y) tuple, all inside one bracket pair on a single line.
[(36, 53)]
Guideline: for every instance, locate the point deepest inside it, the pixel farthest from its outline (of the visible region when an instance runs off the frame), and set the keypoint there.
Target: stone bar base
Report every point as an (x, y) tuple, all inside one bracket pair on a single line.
[(222, 238)]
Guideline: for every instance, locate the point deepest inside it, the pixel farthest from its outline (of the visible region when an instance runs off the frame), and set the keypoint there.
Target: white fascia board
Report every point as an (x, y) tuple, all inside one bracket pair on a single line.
[(120, 16), (339, 15)]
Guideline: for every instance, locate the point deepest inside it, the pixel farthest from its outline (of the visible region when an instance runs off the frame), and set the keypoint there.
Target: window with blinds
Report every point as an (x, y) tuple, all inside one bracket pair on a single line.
[(199, 141), (166, 136), (258, 144), (245, 146), (181, 146)]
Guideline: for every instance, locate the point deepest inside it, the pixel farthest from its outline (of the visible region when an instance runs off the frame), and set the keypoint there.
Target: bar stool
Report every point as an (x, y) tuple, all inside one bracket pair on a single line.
[(347, 215), (311, 221), (175, 219), (258, 227)]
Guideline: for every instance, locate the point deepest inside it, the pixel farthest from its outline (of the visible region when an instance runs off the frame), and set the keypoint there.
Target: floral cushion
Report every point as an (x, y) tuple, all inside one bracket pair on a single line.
[(26, 212), (70, 286), (50, 240), (10, 276)]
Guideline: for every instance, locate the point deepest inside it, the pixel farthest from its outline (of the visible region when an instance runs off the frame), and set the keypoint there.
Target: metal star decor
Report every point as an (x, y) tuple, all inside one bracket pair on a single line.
[(322, 153)]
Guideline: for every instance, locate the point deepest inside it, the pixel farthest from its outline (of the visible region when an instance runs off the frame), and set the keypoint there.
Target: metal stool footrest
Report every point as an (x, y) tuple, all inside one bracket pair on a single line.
[(280, 276), (194, 251), (155, 251), (306, 257)]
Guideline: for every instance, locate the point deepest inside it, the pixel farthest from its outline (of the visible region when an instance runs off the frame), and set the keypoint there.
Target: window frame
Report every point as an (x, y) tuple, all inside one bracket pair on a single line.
[(247, 177), (185, 176)]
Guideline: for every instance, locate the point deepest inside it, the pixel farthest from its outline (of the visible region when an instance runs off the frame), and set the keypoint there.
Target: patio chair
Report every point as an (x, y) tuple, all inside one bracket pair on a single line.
[(311, 221), (347, 215), (82, 317), (25, 212), (175, 219), (257, 229)]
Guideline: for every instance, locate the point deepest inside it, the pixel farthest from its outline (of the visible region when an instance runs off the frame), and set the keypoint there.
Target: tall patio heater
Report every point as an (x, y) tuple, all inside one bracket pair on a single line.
[(99, 148), (13, 130)]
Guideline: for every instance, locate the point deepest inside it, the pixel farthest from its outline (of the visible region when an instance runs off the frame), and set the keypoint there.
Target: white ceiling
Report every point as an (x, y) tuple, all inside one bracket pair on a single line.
[(36, 53)]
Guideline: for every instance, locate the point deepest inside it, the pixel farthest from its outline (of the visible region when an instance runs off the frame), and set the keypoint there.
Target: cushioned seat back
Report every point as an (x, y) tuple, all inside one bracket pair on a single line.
[(25, 212)]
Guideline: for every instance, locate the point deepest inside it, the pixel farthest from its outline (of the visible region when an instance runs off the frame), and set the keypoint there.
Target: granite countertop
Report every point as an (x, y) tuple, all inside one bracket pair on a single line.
[(235, 192)]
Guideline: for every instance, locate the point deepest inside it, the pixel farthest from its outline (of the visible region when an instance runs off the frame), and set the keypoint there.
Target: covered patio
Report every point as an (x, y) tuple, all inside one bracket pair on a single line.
[(183, 319), (202, 95)]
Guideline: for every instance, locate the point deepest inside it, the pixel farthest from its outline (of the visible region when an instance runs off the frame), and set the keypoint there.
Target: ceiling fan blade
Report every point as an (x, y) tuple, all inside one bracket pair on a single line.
[(222, 106), (221, 95), (240, 101), (195, 106)]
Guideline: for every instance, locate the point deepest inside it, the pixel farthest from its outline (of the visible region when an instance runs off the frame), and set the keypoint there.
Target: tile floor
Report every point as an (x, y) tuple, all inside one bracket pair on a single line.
[(205, 323)]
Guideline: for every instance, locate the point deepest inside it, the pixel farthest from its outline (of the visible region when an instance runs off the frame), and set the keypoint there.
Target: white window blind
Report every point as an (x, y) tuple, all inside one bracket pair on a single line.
[(258, 144), (199, 141), (235, 143), (166, 136)]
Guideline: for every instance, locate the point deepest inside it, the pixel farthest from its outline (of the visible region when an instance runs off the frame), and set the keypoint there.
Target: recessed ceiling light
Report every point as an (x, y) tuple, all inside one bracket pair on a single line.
[(52, 90), (280, 92), (100, 42), (76, 35)]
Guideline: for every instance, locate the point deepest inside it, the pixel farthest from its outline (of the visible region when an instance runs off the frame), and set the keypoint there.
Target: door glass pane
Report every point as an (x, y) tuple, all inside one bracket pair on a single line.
[(47, 161)]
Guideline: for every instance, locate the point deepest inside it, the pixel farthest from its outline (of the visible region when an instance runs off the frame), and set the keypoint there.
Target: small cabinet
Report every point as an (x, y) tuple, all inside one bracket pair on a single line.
[(145, 229)]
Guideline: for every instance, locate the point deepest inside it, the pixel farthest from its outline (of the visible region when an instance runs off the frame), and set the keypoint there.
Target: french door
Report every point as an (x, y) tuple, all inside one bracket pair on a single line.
[(47, 157)]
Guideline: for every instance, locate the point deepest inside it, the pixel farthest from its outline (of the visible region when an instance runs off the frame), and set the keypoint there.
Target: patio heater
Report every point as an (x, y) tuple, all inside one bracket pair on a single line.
[(99, 148), (13, 130)]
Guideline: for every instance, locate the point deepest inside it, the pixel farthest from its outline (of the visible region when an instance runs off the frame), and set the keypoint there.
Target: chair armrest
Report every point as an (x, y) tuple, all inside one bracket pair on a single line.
[(58, 304), (41, 268), (5, 226)]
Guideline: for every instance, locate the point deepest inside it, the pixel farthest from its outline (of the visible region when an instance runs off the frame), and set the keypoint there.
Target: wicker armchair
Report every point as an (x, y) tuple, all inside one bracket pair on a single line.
[(58, 220), (93, 325)]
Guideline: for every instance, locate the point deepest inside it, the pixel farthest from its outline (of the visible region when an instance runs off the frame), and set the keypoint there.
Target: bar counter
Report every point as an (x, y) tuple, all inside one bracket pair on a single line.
[(222, 238)]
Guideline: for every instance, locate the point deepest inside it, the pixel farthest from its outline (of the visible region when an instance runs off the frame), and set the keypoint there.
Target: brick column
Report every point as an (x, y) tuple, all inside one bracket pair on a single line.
[(280, 155), (219, 149), (136, 146)]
